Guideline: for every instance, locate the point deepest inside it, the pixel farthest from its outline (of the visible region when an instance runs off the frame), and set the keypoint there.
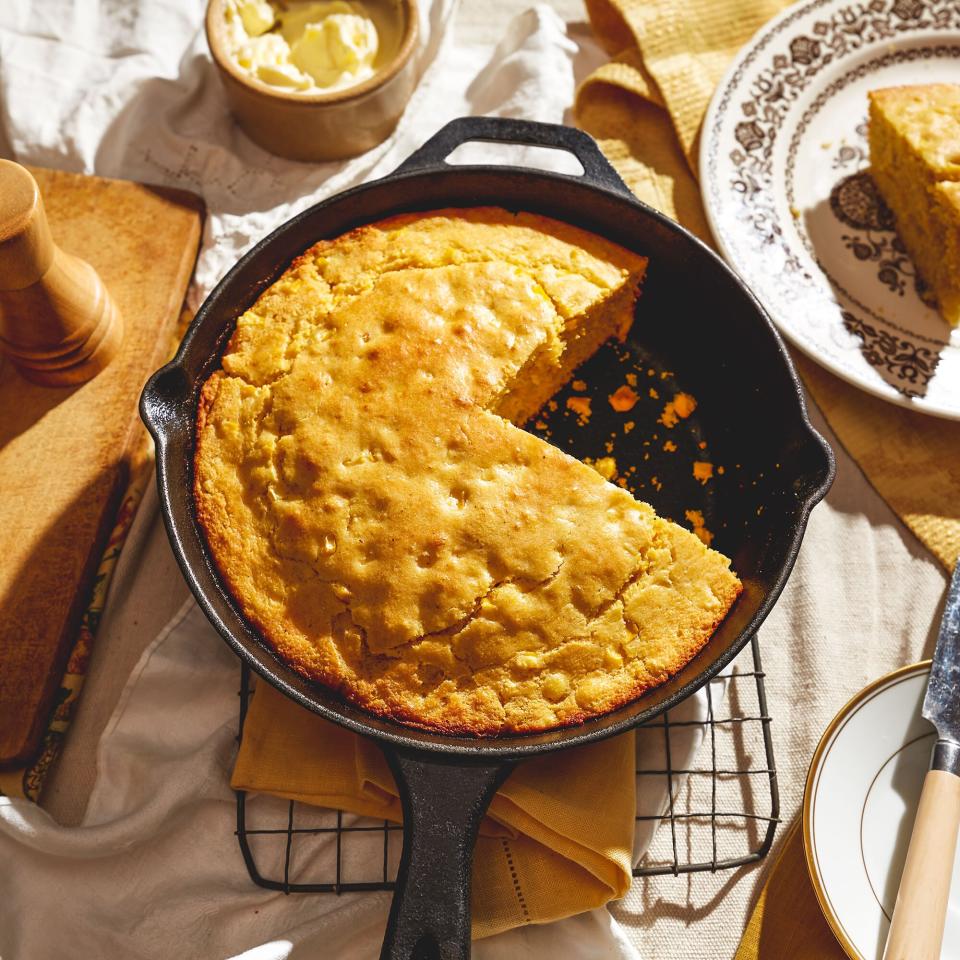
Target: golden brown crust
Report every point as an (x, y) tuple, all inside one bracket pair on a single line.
[(915, 162), (394, 539)]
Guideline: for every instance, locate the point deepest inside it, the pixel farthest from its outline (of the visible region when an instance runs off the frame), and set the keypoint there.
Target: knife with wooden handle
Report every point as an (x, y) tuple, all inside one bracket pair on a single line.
[(916, 930)]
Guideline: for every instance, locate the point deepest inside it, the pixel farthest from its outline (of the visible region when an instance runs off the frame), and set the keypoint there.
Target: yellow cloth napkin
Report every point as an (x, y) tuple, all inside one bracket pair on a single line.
[(786, 923), (645, 108), (557, 839)]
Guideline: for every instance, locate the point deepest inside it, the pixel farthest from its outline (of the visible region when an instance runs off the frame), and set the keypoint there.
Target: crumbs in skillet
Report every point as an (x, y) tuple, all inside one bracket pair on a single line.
[(643, 433)]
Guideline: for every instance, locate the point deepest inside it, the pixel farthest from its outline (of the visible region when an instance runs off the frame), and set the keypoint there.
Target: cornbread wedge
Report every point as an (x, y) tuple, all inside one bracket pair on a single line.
[(385, 525), (915, 161)]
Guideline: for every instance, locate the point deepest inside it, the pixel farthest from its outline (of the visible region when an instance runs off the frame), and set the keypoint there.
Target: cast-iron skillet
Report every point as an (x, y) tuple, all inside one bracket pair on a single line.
[(698, 325)]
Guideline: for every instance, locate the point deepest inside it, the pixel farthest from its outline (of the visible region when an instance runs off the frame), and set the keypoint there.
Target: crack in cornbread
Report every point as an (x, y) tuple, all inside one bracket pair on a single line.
[(386, 527), (915, 162)]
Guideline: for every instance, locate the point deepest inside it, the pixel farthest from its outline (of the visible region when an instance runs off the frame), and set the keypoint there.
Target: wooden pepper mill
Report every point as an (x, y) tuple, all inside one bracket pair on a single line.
[(58, 323)]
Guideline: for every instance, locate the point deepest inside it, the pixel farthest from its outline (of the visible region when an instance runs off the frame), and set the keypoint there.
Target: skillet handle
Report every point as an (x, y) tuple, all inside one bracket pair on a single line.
[(443, 801), (597, 170)]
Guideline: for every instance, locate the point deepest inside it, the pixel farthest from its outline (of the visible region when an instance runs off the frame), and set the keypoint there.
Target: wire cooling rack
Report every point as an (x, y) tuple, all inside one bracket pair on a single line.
[(718, 815)]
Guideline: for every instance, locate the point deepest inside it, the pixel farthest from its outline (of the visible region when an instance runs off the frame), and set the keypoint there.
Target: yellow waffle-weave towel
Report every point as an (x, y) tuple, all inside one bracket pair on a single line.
[(557, 838), (645, 108)]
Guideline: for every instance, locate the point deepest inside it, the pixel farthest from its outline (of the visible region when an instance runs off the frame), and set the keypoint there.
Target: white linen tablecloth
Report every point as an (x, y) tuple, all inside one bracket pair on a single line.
[(126, 89)]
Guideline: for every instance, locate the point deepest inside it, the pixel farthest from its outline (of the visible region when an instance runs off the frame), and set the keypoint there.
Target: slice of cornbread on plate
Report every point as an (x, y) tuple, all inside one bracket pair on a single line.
[(914, 136), (391, 533)]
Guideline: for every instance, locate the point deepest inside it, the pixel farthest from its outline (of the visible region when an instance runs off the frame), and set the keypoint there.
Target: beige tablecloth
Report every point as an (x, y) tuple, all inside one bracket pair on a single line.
[(864, 597)]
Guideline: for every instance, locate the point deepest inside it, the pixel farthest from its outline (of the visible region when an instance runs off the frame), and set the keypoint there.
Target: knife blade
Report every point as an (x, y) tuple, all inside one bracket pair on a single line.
[(941, 705), (916, 929)]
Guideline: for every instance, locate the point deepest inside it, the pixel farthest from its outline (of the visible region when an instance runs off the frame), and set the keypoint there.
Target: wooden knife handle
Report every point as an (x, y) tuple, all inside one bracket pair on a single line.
[(916, 931), (58, 323)]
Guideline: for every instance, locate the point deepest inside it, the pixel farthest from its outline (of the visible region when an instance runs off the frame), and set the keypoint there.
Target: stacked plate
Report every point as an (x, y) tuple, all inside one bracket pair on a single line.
[(858, 811)]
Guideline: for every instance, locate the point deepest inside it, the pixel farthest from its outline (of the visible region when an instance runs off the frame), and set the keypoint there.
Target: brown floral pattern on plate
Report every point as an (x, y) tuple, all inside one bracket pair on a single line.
[(768, 103)]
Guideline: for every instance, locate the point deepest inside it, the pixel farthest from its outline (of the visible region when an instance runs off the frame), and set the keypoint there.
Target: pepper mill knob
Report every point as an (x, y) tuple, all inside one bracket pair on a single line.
[(58, 323)]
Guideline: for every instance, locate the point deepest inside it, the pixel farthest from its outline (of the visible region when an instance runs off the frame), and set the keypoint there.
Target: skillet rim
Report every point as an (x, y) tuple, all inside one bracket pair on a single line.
[(169, 419)]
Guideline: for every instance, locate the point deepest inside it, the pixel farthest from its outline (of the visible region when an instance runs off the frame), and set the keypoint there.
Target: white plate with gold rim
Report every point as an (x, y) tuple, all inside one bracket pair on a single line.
[(783, 163), (858, 808)]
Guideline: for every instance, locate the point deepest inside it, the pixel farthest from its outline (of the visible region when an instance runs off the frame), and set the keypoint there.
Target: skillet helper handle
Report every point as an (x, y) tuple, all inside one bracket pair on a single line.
[(916, 931), (597, 170), (443, 801)]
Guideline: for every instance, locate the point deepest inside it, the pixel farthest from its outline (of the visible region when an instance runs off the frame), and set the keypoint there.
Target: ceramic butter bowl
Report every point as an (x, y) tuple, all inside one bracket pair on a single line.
[(312, 123)]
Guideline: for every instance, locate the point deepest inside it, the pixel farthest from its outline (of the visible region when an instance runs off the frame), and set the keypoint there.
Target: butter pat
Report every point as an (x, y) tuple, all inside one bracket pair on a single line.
[(257, 16), (268, 59), (307, 47), (340, 45)]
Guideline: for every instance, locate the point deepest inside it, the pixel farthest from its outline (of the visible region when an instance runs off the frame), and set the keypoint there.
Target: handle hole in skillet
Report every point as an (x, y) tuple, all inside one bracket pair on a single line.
[(552, 159)]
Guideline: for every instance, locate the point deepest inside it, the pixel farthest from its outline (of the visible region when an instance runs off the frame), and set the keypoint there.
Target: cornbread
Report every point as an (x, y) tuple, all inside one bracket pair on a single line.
[(915, 162), (381, 520)]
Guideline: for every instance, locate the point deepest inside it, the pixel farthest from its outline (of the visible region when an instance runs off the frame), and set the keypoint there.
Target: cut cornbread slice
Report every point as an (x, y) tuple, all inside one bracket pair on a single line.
[(945, 213), (591, 282), (915, 162), (391, 533)]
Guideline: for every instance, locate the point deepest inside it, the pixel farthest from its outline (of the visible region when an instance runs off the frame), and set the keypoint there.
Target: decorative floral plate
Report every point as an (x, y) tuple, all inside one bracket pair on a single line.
[(783, 163), (859, 805)]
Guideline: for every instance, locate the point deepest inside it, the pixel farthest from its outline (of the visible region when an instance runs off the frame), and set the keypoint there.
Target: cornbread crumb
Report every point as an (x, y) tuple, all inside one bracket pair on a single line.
[(605, 466), (579, 385), (580, 406), (695, 517), (702, 470), (679, 408), (623, 399)]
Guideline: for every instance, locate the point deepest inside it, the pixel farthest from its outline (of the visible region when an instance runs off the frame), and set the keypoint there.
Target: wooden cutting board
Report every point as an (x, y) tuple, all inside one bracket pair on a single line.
[(65, 452)]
